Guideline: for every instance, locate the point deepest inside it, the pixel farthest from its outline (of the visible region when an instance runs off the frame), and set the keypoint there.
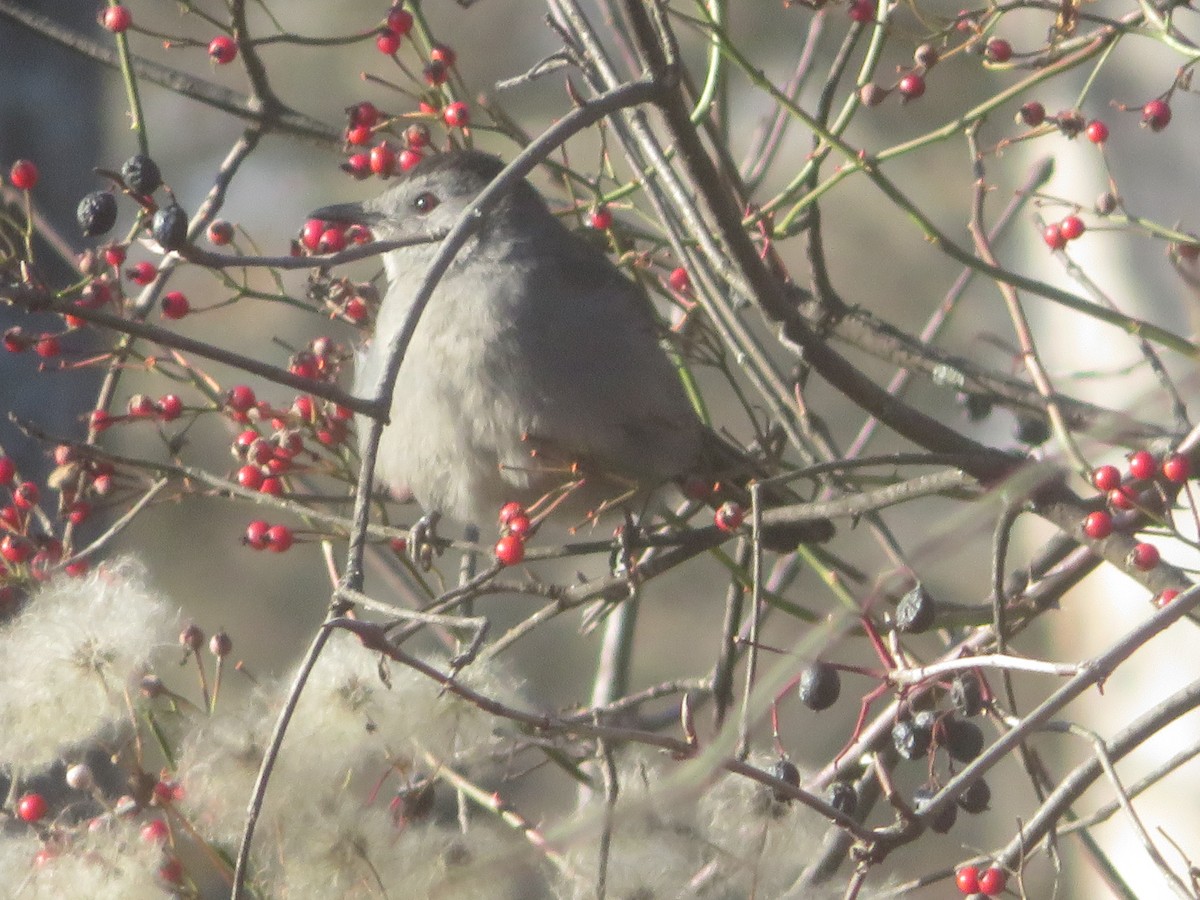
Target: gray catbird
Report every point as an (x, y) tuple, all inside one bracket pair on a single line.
[(535, 366)]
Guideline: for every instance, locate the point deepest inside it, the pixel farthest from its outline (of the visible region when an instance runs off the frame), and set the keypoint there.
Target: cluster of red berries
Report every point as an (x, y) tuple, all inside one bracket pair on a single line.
[(18, 545), (261, 536), (1069, 122), (319, 236), (515, 528), (1056, 234), (396, 25), (46, 345), (1123, 495), (990, 882), (166, 408)]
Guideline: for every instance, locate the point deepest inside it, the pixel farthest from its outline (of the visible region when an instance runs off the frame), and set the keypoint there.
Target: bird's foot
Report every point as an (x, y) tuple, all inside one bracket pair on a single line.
[(423, 540)]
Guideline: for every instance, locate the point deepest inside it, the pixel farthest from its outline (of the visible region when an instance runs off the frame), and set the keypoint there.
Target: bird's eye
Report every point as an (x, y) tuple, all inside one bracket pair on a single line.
[(426, 202)]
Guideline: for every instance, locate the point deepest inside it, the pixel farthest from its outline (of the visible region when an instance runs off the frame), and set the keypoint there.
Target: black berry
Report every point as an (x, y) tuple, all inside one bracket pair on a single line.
[(911, 739), (141, 174), (976, 798), (966, 695), (842, 797), (785, 770), (944, 820), (820, 686), (916, 611), (963, 740), (96, 213), (169, 227)]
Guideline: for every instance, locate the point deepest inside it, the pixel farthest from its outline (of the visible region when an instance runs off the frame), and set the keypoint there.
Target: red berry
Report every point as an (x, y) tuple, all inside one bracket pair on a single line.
[(364, 114), (240, 398), (79, 511), (155, 832), (408, 159), (175, 305), (8, 470), (435, 73), (15, 340), (222, 49), (141, 273), (1053, 236), (23, 175), (251, 477), (77, 569), (999, 50), (443, 54), (1097, 132), (383, 159), (1123, 497), (220, 232), (48, 346), (1144, 556), (15, 549), (332, 240), (170, 407), (1071, 227), (358, 166), (279, 538), (388, 42), (355, 310), (600, 218), (1176, 468), (1165, 597), (510, 550), (730, 516), (1032, 114), (141, 407), (271, 486), (310, 234), (10, 518), (967, 879), (911, 86), (100, 420), (399, 21), (1105, 478), (26, 496), (992, 881), (520, 526), (171, 871), (862, 10), (256, 534), (416, 135), (31, 807), (456, 115), (114, 255), (358, 135), (1142, 465), (1156, 115), (680, 281), (116, 19), (1098, 525)]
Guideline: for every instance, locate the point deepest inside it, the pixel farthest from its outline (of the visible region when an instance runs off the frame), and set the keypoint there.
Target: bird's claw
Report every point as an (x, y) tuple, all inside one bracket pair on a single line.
[(422, 540)]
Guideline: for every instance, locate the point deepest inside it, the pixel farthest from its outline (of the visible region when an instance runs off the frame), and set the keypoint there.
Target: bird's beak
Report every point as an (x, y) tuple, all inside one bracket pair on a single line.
[(349, 213)]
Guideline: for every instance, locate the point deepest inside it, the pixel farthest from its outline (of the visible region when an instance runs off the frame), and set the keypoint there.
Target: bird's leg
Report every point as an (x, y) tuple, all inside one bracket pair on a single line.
[(422, 539)]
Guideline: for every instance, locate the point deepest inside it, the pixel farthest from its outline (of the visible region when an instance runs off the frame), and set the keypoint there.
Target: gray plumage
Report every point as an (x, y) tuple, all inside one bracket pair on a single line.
[(533, 354)]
